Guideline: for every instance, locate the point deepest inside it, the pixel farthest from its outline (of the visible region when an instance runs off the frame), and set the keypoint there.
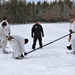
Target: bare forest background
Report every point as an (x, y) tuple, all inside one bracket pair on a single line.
[(27, 12)]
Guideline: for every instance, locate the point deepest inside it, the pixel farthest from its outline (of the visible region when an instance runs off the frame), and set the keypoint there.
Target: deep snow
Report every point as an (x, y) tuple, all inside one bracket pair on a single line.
[(50, 60)]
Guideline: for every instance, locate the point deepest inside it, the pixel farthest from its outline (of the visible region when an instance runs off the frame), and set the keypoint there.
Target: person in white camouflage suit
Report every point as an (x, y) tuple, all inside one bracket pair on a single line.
[(17, 44), (72, 29), (4, 31)]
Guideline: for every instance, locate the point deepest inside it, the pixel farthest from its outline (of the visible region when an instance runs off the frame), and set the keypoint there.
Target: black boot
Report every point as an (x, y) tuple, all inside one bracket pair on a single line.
[(18, 57), (33, 47), (40, 46), (69, 47), (22, 56)]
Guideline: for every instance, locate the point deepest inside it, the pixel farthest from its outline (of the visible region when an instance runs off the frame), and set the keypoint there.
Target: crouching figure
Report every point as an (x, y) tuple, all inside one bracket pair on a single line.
[(17, 44)]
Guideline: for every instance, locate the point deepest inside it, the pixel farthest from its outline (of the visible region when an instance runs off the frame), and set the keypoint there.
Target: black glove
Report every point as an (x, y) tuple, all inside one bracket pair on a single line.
[(70, 31), (32, 36), (42, 35), (25, 53), (9, 33)]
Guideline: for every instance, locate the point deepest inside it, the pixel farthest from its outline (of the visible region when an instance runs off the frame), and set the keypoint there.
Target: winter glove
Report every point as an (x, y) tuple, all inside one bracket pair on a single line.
[(42, 35), (9, 38), (70, 31), (25, 53), (32, 36), (9, 33)]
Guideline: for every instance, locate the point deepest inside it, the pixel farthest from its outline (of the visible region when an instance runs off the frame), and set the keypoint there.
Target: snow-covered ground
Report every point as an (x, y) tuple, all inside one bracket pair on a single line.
[(50, 60)]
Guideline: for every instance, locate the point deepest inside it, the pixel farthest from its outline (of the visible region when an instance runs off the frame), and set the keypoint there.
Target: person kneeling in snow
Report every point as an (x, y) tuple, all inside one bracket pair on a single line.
[(17, 44)]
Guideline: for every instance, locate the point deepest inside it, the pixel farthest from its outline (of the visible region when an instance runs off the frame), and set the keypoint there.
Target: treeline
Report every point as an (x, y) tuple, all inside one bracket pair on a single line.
[(26, 12)]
